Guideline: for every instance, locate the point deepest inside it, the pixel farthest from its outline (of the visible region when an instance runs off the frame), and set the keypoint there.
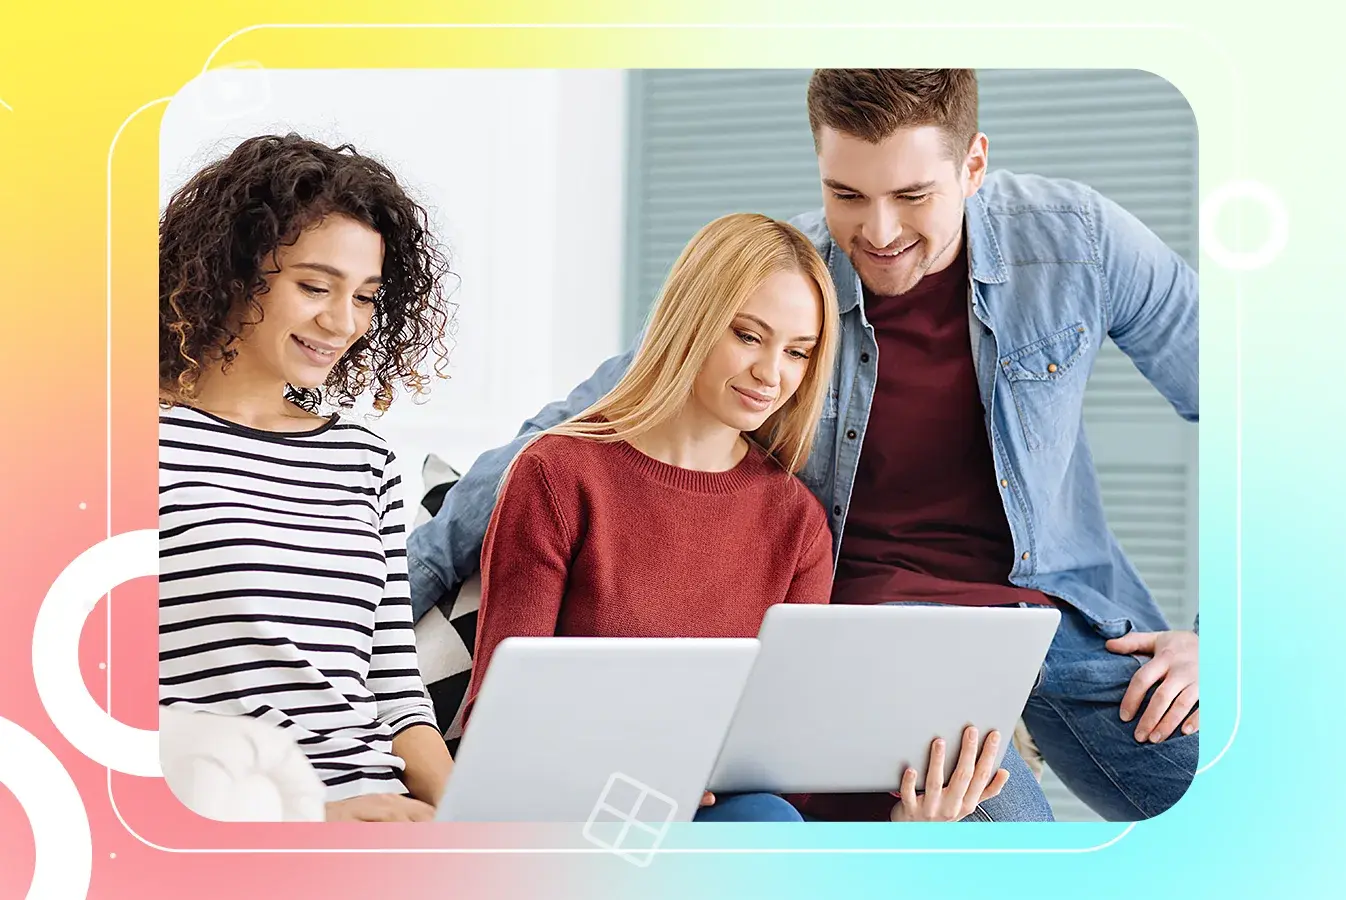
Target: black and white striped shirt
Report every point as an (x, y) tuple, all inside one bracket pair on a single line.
[(283, 590)]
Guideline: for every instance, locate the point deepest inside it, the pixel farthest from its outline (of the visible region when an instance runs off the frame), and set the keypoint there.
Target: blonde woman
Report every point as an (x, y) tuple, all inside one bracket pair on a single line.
[(669, 508)]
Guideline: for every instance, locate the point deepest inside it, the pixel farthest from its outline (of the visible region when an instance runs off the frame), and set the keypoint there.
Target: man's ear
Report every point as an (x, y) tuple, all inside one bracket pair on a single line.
[(974, 165)]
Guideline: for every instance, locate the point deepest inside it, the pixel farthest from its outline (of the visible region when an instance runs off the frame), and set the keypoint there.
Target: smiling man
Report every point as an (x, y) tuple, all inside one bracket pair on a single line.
[(952, 458)]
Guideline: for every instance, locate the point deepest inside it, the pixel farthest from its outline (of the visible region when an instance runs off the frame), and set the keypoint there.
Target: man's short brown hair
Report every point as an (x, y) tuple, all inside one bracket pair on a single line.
[(871, 104)]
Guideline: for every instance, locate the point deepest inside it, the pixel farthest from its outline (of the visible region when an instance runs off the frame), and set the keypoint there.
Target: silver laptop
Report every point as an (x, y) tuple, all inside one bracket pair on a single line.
[(562, 725), (844, 698)]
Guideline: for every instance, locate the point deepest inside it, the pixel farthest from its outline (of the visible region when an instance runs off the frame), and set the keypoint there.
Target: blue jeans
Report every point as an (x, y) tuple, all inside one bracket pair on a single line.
[(748, 808), (1073, 717), (1020, 800)]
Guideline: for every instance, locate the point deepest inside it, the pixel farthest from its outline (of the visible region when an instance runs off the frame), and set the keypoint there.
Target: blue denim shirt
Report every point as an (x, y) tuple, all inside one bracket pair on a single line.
[(1056, 269)]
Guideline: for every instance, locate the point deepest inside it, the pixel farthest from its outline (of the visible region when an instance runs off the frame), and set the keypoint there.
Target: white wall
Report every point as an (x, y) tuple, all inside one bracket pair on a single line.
[(523, 174)]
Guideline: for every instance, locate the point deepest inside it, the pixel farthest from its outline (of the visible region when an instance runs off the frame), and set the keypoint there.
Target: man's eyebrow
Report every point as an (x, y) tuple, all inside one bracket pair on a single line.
[(919, 187), (838, 186), (916, 188)]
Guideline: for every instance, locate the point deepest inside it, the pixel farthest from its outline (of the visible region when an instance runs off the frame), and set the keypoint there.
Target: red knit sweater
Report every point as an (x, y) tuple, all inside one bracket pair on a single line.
[(593, 539)]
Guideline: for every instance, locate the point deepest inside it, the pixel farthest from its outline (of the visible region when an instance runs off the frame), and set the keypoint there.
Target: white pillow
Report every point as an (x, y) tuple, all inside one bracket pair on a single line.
[(237, 769)]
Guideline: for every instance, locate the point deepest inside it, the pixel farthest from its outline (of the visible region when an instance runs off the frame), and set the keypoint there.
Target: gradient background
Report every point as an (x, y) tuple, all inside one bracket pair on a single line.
[(1257, 820)]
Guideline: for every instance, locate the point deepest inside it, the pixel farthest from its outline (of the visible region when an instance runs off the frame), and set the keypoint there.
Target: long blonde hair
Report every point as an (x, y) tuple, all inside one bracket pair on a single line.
[(713, 277)]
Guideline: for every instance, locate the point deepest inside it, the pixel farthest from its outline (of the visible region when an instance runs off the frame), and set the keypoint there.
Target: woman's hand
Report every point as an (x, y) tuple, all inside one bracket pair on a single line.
[(973, 782), (380, 808)]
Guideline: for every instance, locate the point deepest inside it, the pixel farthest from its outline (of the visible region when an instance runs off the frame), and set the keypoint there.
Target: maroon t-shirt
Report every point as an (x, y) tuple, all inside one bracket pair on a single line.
[(926, 521)]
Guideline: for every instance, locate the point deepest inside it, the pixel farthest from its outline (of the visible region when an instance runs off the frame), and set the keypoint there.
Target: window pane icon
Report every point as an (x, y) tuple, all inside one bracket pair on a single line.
[(630, 819)]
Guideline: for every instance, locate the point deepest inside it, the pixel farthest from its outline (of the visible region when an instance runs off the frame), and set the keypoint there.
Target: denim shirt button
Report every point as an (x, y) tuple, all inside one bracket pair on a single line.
[(836, 510), (1004, 482), (864, 357), (850, 435), (1025, 556)]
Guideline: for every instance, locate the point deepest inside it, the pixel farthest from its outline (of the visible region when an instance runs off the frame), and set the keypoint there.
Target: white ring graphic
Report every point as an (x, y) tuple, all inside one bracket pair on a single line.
[(56, 632), (63, 861), (1278, 225)]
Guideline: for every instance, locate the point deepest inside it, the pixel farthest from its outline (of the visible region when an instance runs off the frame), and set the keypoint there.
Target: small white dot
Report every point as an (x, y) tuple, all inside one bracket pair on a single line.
[(84, 506), (113, 855), (102, 665)]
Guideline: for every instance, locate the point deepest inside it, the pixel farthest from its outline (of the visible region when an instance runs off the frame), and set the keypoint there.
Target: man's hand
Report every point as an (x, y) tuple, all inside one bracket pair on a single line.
[(1173, 666), (974, 780), (380, 808)]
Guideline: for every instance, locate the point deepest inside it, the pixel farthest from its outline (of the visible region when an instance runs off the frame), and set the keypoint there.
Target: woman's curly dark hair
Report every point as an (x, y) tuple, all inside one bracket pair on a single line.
[(218, 239)]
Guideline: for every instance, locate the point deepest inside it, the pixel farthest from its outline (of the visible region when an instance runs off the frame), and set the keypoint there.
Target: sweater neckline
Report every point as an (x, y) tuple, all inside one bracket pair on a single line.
[(743, 475)]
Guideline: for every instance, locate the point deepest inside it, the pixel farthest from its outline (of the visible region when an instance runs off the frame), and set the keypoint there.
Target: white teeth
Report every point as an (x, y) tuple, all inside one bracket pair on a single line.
[(317, 350)]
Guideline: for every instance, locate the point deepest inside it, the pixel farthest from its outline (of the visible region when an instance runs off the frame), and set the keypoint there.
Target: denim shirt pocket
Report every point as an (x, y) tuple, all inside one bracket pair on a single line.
[(1047, 379)]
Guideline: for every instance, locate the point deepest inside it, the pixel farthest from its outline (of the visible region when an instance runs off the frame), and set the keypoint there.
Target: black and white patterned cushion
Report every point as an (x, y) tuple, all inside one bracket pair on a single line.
[(446, 634)]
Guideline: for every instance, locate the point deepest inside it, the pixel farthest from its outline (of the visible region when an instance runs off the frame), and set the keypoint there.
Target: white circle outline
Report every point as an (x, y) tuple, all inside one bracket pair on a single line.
[(1244, 260), (56, 673), (62, 840)]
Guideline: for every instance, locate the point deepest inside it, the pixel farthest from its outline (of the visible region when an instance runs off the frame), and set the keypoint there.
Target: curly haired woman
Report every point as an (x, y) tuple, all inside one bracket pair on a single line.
[(294, 279)]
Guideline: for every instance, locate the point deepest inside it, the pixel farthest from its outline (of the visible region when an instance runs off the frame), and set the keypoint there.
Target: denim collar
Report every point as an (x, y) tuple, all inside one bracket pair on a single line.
[(983, 250)]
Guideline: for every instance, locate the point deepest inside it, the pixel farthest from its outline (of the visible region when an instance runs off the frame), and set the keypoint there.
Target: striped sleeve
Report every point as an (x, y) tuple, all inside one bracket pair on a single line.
[(394, 674)]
